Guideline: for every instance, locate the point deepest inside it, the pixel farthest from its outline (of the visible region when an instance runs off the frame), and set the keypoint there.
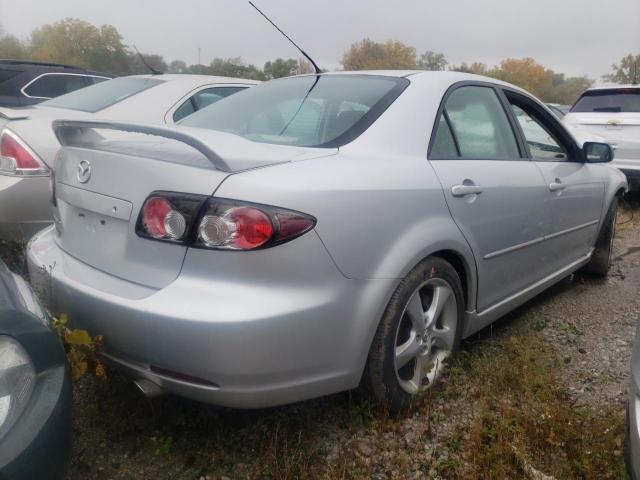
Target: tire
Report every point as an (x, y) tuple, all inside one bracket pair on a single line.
[(601, 258), (407, 355)]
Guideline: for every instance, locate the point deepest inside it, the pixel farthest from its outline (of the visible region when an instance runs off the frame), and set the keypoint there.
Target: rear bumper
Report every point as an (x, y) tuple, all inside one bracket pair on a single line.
[(25, 207), (226, 335)]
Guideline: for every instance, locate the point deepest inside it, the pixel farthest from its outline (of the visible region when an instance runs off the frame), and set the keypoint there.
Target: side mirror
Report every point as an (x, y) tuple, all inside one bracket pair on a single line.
[(595, 152)]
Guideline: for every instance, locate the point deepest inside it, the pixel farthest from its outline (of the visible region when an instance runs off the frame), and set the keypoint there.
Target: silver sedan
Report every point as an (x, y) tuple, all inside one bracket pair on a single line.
[(28, 145), (318, 231)]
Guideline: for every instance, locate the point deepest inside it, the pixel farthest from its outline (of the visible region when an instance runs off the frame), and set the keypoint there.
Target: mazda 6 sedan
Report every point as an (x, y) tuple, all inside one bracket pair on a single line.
[(317, 231)]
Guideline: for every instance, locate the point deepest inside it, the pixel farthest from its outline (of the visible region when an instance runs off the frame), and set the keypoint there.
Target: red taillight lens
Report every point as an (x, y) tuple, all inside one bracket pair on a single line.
[(16, 158), (233, 225), (218, 223), (161, 220), (238, 228)]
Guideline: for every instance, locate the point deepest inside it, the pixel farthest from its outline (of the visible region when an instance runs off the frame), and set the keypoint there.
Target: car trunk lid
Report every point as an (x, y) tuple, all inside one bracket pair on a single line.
[(102, 180)]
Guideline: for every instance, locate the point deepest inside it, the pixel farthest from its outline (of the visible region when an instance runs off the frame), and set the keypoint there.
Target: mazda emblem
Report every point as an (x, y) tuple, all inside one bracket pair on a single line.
[(84, 171)]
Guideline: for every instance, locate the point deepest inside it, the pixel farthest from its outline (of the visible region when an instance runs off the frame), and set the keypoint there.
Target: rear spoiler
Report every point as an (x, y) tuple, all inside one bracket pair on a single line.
[(13, 114), (69, 132)]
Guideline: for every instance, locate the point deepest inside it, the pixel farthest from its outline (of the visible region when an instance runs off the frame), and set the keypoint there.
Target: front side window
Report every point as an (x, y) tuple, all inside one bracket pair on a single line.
[(479, 125), (54, 85), (614, 100), (313, 110), (102, 95), (542, 144), (202, 99)]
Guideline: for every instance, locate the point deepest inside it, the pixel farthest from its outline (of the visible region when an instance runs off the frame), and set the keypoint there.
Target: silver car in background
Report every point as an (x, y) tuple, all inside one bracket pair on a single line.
[(312, 232), (613, 113), (28, 145)]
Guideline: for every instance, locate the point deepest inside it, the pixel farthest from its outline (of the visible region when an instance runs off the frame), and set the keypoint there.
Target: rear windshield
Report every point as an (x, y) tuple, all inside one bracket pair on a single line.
[(321, 111), (609, 100), (102, 95)]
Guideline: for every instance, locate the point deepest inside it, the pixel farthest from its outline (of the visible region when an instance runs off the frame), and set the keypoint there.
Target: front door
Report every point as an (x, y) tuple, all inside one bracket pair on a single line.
[(496, 197), (575, 190)]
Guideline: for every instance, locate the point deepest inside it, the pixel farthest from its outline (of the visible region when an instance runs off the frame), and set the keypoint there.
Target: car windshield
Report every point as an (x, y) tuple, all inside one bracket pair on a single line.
[(609, 100), (102, 95), (314, 110)]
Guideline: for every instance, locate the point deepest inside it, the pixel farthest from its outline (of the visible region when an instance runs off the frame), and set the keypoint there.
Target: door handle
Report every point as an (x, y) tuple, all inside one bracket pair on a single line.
[(463, 190), (557, 185)]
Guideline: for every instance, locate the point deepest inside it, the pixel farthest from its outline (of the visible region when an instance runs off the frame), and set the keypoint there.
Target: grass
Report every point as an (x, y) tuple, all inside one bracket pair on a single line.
[(524, 418)]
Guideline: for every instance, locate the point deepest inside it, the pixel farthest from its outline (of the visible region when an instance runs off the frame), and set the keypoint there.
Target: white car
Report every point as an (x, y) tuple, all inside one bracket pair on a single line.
[(28, 145), (612, 113)]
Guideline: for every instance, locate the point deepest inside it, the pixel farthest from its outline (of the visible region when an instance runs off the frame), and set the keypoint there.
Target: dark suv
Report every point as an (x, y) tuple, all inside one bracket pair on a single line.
[(24, 82)]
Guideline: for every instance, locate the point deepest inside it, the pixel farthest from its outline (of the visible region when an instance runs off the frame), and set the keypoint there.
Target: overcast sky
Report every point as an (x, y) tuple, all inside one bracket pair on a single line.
[(577, 37)]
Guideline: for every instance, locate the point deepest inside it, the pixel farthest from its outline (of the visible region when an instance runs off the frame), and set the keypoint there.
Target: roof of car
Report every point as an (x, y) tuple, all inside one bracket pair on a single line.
[(613, 86), (187, 77)]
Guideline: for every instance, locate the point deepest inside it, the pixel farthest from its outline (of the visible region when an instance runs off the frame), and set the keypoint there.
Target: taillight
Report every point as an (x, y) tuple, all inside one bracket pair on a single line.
[(16, 158), (168, 216), (216, 223)]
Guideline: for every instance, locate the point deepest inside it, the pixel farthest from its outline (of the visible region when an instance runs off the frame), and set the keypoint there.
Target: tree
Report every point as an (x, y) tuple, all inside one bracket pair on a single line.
[(627, 71), (280, 68), (430, 60), (138, 67), (370, 55), (177, 66), (527, 74), (79, 43), (11, 47), (304, 66), (476, 68), (234, 67), (568, 90)]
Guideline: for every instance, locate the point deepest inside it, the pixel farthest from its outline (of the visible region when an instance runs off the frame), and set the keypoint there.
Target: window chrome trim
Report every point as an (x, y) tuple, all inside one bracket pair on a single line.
[(22, 90)]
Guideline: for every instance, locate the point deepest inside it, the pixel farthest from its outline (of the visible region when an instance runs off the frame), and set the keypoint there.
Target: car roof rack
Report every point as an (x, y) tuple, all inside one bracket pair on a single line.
[(36, 63)]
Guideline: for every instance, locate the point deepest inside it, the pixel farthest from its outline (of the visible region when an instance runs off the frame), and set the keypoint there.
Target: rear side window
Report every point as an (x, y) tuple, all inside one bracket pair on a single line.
[(102, 95), (312, 110), (52, 85), (479, 126), (444, 145), (203, 99), (612, 100)]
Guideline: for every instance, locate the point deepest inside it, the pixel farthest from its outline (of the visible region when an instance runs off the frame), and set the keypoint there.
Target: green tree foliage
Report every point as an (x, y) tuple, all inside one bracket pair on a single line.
[(433, 61), (526, 73), (280, 68), (137, 66), (234, 67), (626, 71), (370, 55), (79, 43), (177, 66), (476, 68), (11, 47)]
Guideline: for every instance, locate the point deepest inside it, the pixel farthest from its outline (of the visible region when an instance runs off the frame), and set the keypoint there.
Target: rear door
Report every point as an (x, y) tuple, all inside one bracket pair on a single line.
[(495, 196), (575, 190)]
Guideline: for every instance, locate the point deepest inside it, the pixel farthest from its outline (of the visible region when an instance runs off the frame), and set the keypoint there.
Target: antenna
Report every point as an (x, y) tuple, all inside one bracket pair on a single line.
[(306, 55), (151, 69)]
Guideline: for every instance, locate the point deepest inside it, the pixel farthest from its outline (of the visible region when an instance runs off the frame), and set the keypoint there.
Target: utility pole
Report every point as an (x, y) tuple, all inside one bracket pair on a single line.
[(199, 56)]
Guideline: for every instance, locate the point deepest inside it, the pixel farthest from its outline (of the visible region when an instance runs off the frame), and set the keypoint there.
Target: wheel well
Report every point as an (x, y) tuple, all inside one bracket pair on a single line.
[(459, 265)]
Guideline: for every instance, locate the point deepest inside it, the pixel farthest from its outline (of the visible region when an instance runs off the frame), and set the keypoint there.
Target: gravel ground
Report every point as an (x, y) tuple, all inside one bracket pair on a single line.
[(584, 327)]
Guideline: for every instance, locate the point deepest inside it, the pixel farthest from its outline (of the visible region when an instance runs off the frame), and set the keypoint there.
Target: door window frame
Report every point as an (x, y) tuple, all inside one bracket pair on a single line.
[(546, 119), (522, 151)]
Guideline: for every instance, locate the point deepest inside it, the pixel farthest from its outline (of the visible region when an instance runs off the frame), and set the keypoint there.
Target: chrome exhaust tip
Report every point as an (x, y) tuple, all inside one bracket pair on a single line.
[(148, 388)]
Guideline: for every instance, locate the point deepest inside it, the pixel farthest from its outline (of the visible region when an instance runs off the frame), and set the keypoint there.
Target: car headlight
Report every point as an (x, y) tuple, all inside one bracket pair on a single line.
[(17, 378)]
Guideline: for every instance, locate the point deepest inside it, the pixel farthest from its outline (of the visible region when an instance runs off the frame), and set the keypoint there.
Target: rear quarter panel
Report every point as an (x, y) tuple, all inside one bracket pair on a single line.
[(377, 215)]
